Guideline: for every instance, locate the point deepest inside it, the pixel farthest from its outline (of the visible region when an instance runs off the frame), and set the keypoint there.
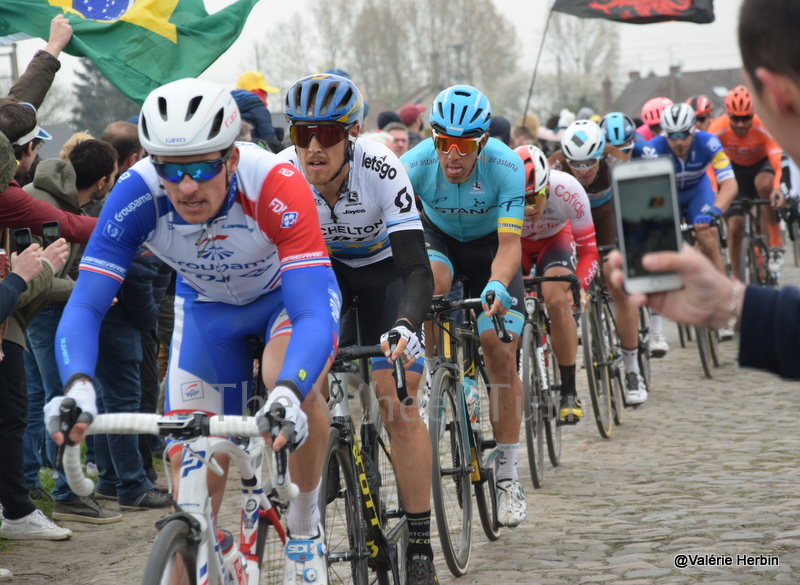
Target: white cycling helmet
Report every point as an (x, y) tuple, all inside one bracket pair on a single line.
[(583, 140), (188, 117), (678, 118), (537, 170)]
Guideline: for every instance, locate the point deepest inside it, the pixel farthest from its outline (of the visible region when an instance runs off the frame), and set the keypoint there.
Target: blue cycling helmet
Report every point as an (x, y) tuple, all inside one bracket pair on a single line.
[(339, 72), (324, 98), (461, 111), (618, 128)]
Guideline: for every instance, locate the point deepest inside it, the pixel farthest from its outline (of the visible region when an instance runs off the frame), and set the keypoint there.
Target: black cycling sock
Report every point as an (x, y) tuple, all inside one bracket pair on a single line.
[(567, 380), (419, 534)]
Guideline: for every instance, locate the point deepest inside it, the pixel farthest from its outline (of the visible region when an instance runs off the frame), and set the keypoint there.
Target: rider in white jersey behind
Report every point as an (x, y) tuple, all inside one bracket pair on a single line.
[(240, 228)]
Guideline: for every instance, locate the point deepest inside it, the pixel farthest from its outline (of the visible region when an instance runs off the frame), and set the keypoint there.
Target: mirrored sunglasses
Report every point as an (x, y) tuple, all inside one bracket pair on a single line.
[(535, 198), (583, 165), (679, 135), (327, 134), (200, 171), (741, 119), (463, 146)]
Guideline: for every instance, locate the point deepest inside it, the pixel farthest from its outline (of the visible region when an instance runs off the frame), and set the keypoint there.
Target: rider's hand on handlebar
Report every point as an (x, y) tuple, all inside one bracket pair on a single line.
[(282, 420), (82, 392), (408, 346), (777, 199), (502, 302)]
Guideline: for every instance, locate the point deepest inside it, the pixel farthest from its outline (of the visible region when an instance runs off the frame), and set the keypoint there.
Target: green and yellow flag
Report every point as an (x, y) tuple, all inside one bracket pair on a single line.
[(137, 44)]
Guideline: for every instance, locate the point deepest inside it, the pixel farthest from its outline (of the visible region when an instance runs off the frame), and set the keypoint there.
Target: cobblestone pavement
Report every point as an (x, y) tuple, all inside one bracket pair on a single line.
[(699, 485)]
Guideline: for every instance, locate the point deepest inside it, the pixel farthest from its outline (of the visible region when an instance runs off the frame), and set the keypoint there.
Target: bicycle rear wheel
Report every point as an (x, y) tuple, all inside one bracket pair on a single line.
[(534, 404), (450, 479), (552, 399), (595, 357), (702, 335), (173, 557), (271, 544), (486, 488), (342, 517)]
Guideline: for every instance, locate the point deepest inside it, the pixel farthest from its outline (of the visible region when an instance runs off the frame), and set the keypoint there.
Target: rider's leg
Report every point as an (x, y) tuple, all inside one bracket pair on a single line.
[(563, 330), (735, 235), (769, 218)]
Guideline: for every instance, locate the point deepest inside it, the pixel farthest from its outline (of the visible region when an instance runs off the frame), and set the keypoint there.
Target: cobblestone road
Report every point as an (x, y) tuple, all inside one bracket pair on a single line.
[(705, 473)]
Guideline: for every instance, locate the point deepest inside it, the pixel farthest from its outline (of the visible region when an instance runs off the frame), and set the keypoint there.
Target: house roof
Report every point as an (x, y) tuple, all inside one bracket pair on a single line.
[(678, 86)]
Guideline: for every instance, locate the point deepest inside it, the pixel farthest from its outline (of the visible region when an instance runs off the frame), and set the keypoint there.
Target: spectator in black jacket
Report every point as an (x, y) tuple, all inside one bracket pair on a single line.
[(251, 97)]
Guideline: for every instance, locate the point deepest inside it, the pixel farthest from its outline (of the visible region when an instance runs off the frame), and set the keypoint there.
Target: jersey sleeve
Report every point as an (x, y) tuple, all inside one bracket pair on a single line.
[(584, 236), (511, 198), (719, 160), (774, 154), (18, 210)]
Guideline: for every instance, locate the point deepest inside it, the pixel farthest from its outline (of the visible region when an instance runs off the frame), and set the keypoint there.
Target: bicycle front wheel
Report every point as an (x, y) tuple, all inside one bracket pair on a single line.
[(450, 476), (173, 558), (486, 488), (534, 405), (552, 399), (342, 517), (595, 360)]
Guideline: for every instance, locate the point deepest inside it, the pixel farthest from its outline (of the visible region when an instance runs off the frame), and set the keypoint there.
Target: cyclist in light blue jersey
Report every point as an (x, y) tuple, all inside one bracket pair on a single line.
[(691, 152), (620, 131), (472, 192)]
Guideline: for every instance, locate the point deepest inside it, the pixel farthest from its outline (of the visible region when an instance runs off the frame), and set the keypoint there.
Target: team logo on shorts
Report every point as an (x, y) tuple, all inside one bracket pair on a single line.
[(288, 219), (192, 391)]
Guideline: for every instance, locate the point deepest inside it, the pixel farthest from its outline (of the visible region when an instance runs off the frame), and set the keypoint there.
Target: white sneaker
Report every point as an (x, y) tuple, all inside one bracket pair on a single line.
[(34, 526), (511, 506), (305, 560), (775, 264), (725, 334), (635, 388), (658, 345)]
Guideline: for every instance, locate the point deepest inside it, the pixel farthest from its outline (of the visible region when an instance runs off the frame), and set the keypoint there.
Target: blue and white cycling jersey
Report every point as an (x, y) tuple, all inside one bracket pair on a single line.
[(689, 172), (356, 229), (491, 200), (639, 146), (264, 247)]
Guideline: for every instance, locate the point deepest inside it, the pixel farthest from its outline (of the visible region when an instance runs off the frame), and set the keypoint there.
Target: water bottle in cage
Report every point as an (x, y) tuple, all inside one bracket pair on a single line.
[(473, 400)]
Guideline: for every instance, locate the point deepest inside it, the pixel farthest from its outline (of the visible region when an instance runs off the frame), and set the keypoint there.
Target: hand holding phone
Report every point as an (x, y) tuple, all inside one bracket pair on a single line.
[(647, 215), (22, 239), (51, 231)]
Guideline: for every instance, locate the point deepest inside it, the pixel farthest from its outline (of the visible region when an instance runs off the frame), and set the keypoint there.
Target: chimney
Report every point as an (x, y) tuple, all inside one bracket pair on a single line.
[(634, 75), (675, 70)]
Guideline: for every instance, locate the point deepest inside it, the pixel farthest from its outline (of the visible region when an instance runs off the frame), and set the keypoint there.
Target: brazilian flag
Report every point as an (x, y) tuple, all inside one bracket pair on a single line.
[(137, 44)]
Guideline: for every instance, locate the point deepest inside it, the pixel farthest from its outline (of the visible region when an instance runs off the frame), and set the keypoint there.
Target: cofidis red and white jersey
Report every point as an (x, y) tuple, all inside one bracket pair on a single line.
[(378, 201), (267, 225), (566, 202)]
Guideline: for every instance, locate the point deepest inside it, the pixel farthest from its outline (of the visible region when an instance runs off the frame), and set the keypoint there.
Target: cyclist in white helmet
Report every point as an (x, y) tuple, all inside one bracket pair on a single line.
[(239, 226)]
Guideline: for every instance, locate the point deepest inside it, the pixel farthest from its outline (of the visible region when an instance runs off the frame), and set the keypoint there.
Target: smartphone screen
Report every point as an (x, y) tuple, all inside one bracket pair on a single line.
[(22, 239), (50, 232), (648, 219)]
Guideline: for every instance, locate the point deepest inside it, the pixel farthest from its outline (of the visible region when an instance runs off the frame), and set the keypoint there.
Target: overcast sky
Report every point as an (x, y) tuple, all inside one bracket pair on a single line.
[(644, 47)]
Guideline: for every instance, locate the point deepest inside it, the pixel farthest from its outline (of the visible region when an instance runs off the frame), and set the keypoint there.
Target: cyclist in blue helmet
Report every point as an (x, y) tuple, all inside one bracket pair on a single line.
[(374, 235), (472, 190), (620, 131)]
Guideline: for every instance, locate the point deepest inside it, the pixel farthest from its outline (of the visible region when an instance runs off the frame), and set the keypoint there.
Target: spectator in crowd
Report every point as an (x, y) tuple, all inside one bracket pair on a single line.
[(399, 134), (411, 116), (251, 96), (124, 137), (388, 117), (63, 154), (500, 128)]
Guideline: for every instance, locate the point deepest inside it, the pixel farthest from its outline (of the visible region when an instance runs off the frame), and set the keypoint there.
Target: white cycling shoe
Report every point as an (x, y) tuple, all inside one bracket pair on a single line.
[(635, 388), (511, 506), (658, 345), (305, 560)]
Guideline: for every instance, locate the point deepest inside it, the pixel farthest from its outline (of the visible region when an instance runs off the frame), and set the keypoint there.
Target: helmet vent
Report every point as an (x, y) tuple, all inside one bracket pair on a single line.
[(327, 100), (216, 125), (311, 98), (162, 108), (194, 103), (145, 132)]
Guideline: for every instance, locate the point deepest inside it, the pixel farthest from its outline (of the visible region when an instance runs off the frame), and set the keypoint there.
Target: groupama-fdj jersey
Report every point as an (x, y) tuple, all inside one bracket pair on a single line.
[(258, 268), (695, 193), (356, 229), (491, 200)]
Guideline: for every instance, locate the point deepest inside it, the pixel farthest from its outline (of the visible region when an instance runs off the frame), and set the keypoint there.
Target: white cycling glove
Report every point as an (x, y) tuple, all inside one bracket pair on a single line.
[(413, 347), (82, 392), (282, 414)]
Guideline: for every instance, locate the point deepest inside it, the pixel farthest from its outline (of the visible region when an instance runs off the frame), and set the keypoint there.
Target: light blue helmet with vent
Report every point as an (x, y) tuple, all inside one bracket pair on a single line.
[(461, 111)]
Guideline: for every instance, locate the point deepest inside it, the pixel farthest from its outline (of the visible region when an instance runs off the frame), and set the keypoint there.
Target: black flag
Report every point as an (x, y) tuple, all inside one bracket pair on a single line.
[(639, 11)]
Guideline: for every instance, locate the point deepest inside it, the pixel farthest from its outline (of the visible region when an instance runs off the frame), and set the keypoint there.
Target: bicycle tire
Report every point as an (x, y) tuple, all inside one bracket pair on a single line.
[(705, 352), (176, 539), (552, 429), (485, 489), (452, 501), (534, 405), (713, 346), (595, 356), (341, 514), (270, 550), (644, 345), (615, 368)]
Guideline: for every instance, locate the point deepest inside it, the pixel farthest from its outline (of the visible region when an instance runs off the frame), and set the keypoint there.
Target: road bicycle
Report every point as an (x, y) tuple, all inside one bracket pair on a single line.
[(365, 524), (754, 255), (188, 547), (541, 382), (602, 354), (462, 439), (707, 339)]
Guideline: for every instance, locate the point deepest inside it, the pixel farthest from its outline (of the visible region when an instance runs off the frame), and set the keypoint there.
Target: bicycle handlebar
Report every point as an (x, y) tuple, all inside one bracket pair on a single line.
[(497, 320), (194, 425), (574, 285), (442, 304), (357, 352)]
